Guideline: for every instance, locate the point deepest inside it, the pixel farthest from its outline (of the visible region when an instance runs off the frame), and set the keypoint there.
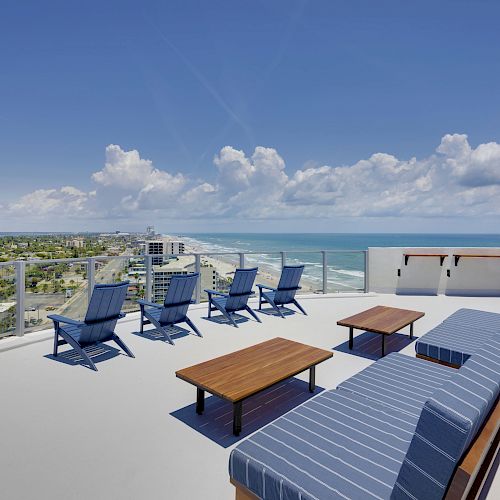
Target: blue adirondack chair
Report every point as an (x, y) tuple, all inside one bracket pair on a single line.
[(285, 292), (103, 312), (237, 298), (174, 308)]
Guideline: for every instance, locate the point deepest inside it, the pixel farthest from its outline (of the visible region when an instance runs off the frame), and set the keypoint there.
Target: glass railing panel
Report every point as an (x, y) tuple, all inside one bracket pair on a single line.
[(217, 272), (7, 300), (346, 271), (121, 268), (312, 277), (54, 288), (163, 269), (269, 265)]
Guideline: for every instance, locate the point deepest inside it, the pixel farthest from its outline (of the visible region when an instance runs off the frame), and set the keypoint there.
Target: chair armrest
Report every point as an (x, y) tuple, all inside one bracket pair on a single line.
[(151, 304), (266, 287), (214, 292), (56, 318)]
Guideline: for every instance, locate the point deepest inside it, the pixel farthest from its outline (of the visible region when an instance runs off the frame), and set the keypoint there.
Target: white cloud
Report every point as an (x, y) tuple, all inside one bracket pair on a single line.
[(127, 170), (457, 180), (67, 200)]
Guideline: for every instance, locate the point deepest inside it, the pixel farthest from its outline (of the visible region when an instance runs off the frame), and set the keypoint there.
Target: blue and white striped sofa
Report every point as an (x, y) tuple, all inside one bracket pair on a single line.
[(459, 336), (403, 441)]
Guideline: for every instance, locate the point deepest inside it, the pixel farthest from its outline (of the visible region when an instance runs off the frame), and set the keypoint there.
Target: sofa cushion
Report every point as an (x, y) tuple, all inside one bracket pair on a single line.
[(485, 320), (335, 445), (453, 342), (449, 422), (401, 382)]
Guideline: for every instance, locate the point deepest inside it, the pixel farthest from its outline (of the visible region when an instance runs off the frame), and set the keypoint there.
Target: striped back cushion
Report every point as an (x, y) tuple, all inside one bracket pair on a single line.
[(448, 423)]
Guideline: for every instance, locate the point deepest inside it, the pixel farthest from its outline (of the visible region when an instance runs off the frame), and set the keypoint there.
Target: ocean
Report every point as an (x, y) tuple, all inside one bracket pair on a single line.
[(345, 269)]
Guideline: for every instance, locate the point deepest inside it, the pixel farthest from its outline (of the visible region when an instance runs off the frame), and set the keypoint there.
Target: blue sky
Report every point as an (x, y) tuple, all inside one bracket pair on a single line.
[(323, 84)]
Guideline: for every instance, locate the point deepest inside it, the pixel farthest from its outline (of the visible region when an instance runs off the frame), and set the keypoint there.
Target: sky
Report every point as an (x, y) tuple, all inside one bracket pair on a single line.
[(281, 116)]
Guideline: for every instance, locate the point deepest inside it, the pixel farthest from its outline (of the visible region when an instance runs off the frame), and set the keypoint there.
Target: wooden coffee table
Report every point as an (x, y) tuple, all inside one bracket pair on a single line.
[(381, 319), (241, 374)]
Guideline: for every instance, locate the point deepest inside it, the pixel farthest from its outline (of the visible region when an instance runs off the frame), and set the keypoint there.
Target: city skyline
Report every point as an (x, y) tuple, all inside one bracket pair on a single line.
[(290, 116)]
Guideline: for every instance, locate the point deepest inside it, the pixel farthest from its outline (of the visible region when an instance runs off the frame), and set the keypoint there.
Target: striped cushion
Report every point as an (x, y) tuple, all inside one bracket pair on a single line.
[(401, 382), (336, 445), (453, 341), (449, 422), (484, 320)]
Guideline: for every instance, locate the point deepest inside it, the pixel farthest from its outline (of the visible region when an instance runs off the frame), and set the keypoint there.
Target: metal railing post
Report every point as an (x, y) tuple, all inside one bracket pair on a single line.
[(325, 271), (366, 285), (197, 269), (20, 296), (149, 275), (90, 277), (242, 260), (283, 259)]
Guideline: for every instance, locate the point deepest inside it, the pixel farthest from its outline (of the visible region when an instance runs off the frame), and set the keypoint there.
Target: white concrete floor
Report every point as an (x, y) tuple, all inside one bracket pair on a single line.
[(70, 433)]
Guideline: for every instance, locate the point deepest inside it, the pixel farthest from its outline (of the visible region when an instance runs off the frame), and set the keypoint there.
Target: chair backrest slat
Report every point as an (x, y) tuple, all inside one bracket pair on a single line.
[(103, 312), (241, 288), (288, 284), (178, 296)]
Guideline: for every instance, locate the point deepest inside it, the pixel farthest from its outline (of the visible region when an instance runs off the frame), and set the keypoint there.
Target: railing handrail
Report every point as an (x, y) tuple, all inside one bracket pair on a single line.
[(70, 260)]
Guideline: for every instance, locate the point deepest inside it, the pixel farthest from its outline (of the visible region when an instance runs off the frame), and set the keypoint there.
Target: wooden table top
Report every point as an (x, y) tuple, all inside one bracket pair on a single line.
[(382, 319), (243, 373)]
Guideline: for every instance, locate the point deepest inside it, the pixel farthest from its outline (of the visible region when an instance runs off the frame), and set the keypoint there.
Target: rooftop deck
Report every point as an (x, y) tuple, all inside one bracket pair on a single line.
[(130, 430)]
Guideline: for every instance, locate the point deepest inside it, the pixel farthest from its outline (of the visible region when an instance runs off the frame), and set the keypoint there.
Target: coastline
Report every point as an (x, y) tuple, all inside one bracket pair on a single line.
[(225, 265)]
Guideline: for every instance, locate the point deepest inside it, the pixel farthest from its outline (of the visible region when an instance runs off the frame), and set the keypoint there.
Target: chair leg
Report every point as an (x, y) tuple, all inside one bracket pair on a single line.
[(79, 349), (122, 344), (193, 327), (249, 309), (87, 358), (56, 343), (229, 316), (167, 335), (209, 308), (275, 306), (300, 307)]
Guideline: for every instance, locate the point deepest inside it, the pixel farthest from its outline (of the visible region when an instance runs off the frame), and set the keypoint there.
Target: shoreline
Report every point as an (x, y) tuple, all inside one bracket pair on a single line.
[(225, 266)]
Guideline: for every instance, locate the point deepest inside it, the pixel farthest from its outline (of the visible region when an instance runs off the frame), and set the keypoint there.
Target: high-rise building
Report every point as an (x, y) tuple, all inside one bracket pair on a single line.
[(175, 247), (155, 247), (163, 275), (150, 231)]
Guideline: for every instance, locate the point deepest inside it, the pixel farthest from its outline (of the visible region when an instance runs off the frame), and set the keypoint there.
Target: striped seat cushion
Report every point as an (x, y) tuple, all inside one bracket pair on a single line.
[(450, 420), (336, 445), (475, 318), (401, 382), (452, 341)]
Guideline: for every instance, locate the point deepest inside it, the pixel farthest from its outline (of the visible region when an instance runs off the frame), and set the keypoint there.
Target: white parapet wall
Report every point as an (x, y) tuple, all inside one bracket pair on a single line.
[(388, 272)]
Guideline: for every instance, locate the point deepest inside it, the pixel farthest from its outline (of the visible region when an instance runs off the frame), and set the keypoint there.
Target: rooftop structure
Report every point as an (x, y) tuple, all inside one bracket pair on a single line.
[(60, 422), (132, 426)]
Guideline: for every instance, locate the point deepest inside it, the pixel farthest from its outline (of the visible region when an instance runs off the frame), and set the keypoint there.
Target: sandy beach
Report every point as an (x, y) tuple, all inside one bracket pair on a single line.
[(225, 266)]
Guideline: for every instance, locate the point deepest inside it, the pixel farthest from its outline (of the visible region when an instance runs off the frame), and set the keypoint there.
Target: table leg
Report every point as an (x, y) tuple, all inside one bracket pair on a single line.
[(237, 414), (411, 330), (351, 337), (312, 378), (383, 345), (200, 401)]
